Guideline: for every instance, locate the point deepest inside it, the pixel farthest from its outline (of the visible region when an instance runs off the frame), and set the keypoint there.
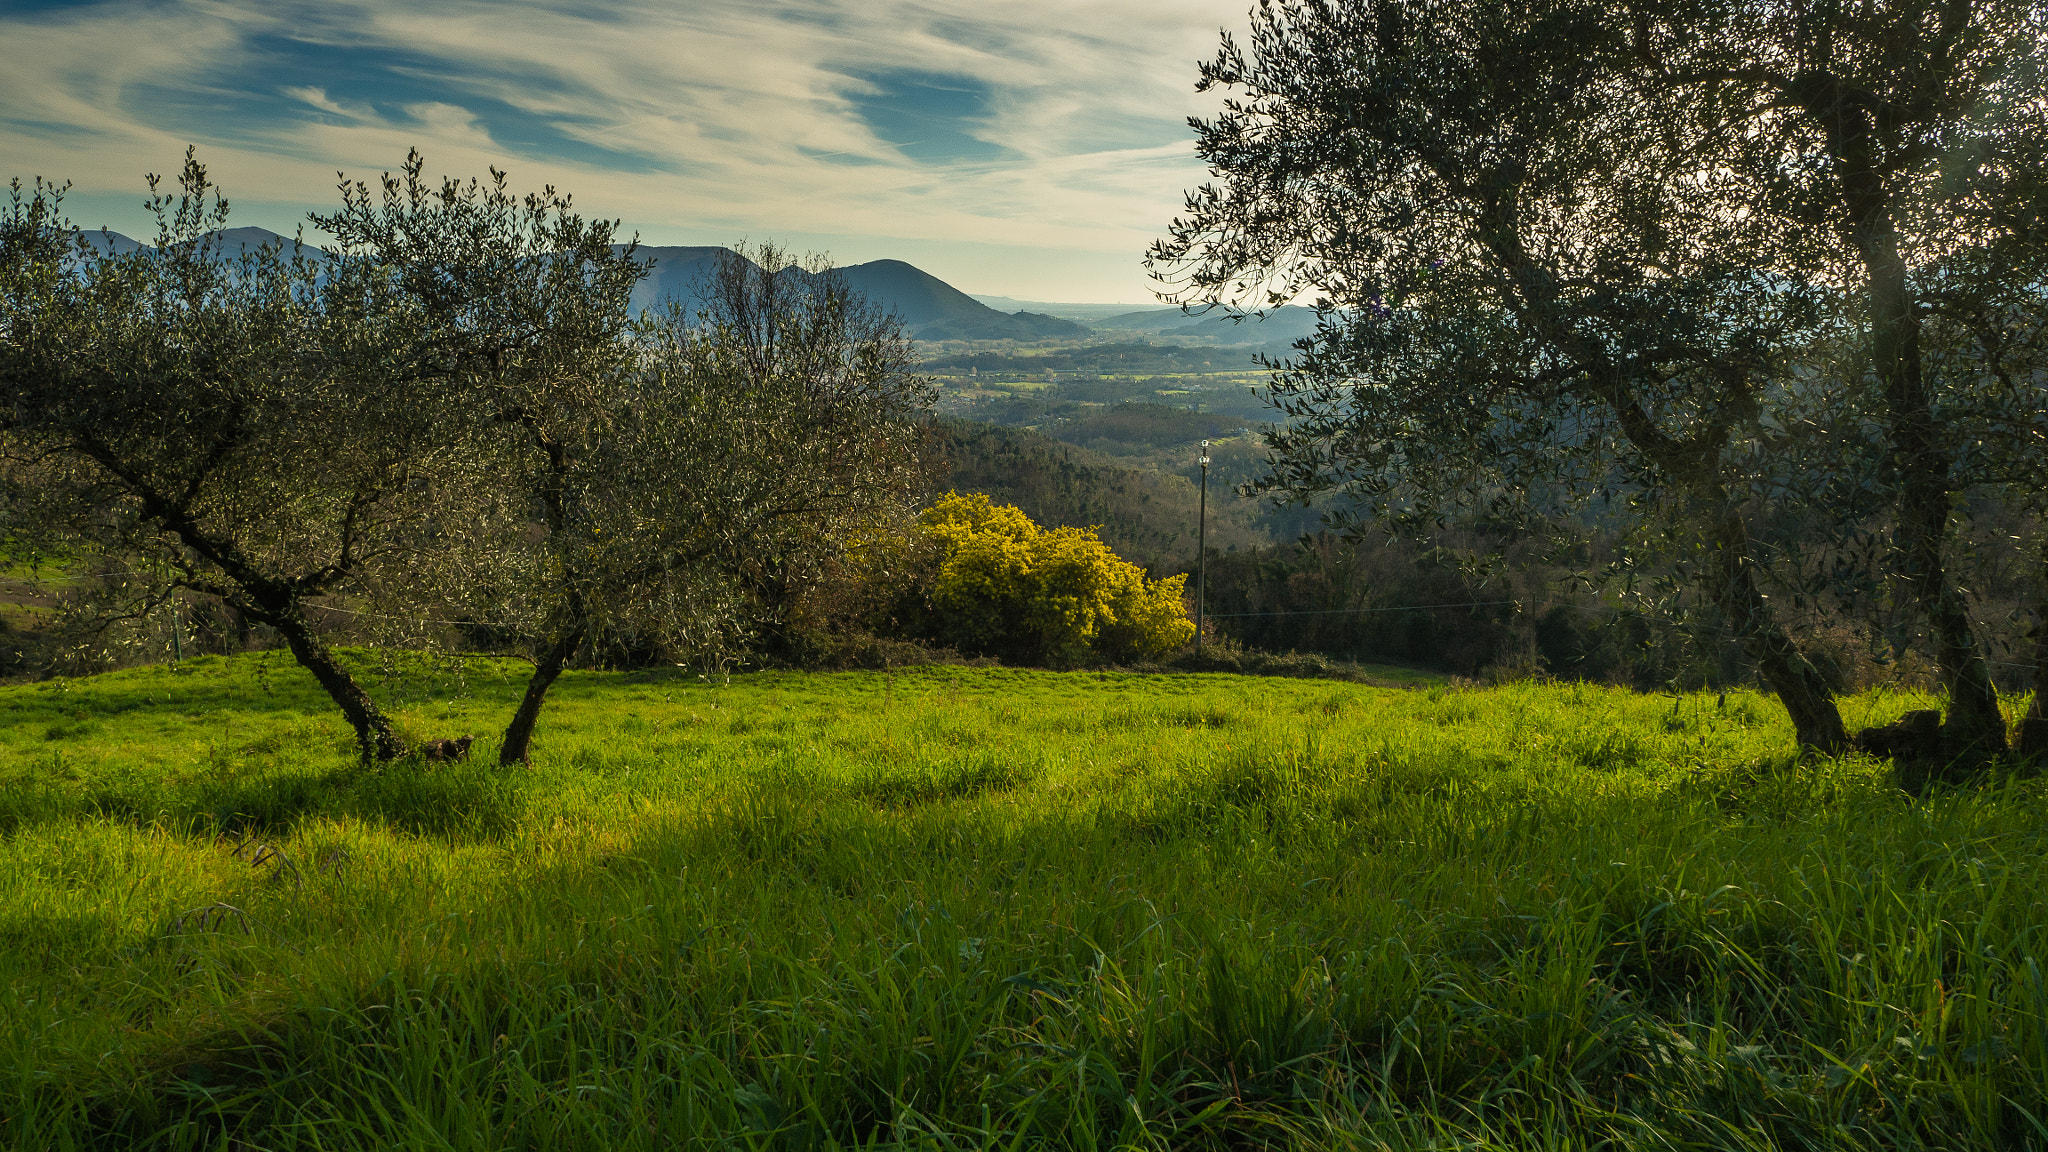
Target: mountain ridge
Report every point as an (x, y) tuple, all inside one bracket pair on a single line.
[(929, 308)]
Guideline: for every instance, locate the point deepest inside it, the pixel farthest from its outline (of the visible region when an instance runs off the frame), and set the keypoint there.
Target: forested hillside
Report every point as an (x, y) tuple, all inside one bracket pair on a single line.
[(1148, 517)]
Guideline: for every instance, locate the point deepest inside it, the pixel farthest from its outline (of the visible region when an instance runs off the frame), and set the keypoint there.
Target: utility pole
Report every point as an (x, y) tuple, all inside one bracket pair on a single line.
[(1202, 552)]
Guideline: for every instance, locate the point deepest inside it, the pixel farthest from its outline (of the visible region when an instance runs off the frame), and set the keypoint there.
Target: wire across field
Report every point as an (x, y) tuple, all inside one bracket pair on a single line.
[(994, 908)]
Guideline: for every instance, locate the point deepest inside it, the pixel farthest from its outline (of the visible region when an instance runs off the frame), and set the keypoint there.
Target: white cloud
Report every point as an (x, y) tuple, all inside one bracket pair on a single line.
[(693, 122), (318, 98)]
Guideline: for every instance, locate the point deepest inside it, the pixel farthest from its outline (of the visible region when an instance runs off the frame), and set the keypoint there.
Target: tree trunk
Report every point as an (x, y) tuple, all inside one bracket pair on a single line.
[(519, 733), (1799, 685), (373, 731), (2034, 729), (1975, 729), (1816, 721), (554, 497)]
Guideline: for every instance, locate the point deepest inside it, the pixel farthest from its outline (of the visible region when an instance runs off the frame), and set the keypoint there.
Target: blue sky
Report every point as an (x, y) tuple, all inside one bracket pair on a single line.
[(1031, 151)]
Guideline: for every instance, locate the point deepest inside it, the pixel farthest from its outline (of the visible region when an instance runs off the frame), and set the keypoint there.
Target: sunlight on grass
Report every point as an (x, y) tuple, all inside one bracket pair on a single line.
[(999, 908)]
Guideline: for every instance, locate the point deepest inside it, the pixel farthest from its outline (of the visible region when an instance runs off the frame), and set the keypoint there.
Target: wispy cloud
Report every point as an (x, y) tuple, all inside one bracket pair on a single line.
[(1033, 149)]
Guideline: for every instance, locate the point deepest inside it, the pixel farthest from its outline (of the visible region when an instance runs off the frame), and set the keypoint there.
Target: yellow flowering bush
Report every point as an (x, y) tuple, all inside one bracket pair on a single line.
[(1008, 587)]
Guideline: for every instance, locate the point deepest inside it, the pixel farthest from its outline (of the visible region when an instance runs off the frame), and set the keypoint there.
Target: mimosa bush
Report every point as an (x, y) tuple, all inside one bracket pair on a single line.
[(1009, 588)]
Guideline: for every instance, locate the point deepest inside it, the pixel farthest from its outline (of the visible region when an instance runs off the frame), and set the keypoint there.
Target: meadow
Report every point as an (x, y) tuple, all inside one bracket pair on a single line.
[(995, 908)]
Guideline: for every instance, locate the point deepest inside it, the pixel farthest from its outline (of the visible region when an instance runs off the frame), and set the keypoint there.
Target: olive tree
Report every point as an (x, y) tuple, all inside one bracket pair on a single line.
[(640, 473), (191, 422), (1986, 345), (1902, 150), (1538, 288), (737, 449), (524, 315)]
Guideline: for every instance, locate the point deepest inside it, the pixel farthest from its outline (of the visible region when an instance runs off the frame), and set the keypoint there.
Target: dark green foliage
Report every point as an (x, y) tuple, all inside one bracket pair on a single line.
[(1376, 600), (1132, 429), (1749, 287), (1390, 600)]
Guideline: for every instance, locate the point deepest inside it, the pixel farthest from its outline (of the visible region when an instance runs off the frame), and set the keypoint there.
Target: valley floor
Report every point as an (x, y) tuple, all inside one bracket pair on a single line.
[(997, 908)]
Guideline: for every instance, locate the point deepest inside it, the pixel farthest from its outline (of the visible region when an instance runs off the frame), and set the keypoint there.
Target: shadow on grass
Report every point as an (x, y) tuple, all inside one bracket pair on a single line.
[(468, 799), (805, 973)]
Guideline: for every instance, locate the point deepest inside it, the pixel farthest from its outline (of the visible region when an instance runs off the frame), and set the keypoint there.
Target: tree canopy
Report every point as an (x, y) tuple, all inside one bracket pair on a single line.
[(454, 415), (225, 425), (1562, 276)]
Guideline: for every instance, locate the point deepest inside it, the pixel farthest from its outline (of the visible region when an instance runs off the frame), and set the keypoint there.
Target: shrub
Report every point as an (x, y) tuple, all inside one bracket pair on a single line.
[(1007, 587)]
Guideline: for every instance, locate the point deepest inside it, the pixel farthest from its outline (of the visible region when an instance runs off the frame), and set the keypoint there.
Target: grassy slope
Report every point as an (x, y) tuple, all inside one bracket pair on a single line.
[(979, 907)]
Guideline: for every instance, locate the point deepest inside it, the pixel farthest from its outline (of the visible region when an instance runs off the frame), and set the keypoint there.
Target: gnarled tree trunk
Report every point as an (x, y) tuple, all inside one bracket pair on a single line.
[(1975, 729), (373, 730), (519, 733), (1693, 466), (1799, 685)]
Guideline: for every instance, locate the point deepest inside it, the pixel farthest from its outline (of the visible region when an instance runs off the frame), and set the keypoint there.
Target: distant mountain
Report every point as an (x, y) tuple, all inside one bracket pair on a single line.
[(235, 241), (935, 310), (102, 240), (1280, 326), (228, 241), (930, 308), (680, 275), (1144, 320)]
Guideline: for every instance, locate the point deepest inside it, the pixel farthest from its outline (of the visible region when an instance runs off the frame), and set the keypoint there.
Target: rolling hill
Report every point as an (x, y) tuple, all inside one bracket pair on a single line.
[(1079, 313), (930, 308)]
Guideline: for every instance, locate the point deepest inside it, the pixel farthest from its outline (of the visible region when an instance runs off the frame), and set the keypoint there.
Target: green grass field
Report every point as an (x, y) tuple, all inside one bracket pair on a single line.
[(990, 908)]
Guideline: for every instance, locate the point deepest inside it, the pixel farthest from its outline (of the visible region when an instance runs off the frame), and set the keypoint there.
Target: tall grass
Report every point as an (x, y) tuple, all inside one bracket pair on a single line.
[(991, 908)]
